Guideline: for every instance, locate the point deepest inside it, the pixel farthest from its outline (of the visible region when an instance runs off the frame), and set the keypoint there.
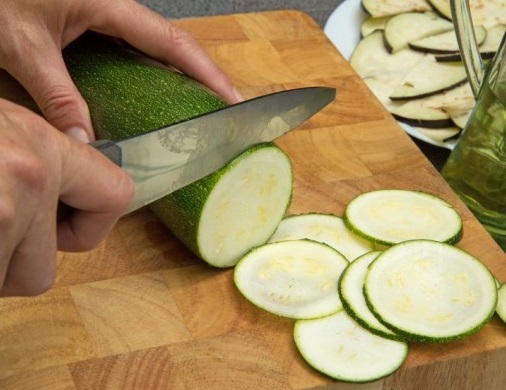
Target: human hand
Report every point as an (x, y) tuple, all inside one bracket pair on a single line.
[(39, 165), (33, 34)]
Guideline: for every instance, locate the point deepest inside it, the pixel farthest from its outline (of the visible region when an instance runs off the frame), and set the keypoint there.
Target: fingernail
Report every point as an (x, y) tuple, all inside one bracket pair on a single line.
[(78, 134), (237, 95)]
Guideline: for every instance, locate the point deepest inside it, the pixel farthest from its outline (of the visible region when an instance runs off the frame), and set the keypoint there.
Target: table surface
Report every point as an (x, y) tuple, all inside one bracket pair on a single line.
[(140, 311)]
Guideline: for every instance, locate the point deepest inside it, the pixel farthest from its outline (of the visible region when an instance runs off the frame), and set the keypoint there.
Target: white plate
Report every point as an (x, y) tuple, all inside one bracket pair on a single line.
[(343, 29)]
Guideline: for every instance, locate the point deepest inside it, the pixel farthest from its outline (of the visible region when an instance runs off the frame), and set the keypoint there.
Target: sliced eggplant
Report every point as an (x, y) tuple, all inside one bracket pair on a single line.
[(487, 49), (430, 77), (487, 13), (440, 135), (372, 24), (412, 112), (416, 113), (404, 28), (445, 43), (393, 7), (371, 59), (459, 118)]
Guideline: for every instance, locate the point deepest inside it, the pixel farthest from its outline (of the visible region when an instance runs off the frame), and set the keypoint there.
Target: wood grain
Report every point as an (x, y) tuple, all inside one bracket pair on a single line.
[(142, 312)]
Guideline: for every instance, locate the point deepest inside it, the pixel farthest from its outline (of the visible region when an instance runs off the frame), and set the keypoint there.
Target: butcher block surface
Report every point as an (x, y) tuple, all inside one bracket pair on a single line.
[(142, 312)]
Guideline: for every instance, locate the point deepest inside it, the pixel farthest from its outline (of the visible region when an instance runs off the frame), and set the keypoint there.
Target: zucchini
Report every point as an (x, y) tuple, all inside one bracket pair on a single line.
[(128, 93), (350, 288), (219, 217), (391, 216), (501, 302), (430, 291), (294, 279), (341, 349), (326, 228)]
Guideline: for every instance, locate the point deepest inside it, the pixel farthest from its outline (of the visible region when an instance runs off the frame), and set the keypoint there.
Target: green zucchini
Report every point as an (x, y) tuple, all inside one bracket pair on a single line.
[(219, 217), (430, 291), (128, 93), (339, 347), (294, 279)]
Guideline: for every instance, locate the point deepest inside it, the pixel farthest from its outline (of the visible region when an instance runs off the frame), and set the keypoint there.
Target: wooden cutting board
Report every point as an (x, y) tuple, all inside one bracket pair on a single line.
[(142, 312)]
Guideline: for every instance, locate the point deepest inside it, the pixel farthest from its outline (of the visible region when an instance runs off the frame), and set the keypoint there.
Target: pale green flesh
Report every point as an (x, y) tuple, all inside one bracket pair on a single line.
[(245, 206), (501, 302), (430, 291), (325, 228), (294, 279), (392, 216), (351, 293), (338, 347)]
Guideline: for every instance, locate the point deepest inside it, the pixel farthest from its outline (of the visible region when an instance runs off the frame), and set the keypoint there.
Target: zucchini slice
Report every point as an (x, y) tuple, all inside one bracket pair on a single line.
[(391, 216), (350, 288), (378, 8), (295, 279), (406, 27), (326, 228), (501, 302), (341, 349), (430, 291)]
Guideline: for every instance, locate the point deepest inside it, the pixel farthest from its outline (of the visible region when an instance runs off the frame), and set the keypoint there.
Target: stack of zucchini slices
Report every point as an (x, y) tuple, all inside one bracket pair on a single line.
[(402, 280)]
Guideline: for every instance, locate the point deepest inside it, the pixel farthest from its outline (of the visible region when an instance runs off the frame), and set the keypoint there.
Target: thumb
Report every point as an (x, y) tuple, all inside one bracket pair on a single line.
[(44, 75)]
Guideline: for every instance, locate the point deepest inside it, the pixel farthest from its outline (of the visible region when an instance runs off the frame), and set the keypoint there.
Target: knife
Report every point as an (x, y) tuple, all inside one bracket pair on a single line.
[(166, 159)]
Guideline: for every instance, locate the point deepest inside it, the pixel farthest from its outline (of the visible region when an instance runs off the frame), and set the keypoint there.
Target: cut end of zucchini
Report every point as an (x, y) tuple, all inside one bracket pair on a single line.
[(391, 216), (339, 348), (430, 291), (225, 214), (294, 279)]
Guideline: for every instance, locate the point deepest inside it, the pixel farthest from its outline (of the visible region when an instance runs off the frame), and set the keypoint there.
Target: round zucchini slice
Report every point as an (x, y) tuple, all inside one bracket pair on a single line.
[(338, 347), (430, 291), (391, 216), (295, 279)]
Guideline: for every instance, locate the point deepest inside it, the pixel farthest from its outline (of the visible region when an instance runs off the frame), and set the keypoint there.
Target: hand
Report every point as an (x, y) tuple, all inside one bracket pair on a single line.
[(33, 33), (38, 165)]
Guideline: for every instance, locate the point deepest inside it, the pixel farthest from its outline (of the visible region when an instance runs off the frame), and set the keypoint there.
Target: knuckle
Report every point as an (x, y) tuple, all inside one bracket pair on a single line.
[(176, 36), (58, 101)]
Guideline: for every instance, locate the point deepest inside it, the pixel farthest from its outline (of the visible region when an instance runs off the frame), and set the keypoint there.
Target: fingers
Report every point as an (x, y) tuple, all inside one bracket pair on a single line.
[(38, 65), (154, 35), (39, 165), (98, 190)]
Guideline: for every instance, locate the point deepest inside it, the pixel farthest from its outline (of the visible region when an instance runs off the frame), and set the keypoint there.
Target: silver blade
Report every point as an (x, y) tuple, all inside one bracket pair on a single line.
[(167, 159)]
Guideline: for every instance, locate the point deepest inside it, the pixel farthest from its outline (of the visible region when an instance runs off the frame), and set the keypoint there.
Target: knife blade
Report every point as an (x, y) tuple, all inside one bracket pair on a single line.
[(166, 159)]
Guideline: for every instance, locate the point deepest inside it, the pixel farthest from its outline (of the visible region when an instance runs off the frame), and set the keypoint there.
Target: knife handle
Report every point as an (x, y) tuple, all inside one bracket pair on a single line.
[(108, 149)]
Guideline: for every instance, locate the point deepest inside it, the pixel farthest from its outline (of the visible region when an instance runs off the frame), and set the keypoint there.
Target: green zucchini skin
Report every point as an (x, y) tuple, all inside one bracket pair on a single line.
[(129, 94), (182, 210)]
